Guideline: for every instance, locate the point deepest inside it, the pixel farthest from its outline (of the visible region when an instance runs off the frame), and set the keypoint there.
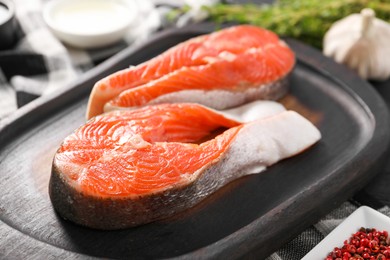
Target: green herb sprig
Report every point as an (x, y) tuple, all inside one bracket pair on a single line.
[(305, 20)]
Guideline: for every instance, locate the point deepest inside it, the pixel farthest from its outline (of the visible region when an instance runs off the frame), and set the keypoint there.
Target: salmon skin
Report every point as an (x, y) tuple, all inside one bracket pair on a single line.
[(223, 69), (127, 168)]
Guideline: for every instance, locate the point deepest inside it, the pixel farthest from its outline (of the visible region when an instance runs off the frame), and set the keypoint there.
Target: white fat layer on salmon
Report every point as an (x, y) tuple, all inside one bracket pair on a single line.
[(133, 141), (225, 55), (218, 98), (258, 145), (253, 111), (265, 142)]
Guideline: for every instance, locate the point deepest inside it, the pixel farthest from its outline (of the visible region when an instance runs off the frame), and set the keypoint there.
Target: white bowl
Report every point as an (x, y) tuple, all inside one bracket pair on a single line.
[(362, 217), (89, 23)]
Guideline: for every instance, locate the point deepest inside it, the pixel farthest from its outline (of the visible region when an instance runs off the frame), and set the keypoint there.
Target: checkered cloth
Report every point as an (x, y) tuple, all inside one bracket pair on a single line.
[(308, 239), (40, 64)]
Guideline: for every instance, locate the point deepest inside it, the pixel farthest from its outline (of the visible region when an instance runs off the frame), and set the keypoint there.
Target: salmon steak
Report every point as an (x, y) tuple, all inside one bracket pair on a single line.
[(221, 70), (130, 167)]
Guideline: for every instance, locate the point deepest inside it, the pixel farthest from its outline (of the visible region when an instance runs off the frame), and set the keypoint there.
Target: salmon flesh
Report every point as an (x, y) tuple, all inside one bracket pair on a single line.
[(223, 69), (130, 167)]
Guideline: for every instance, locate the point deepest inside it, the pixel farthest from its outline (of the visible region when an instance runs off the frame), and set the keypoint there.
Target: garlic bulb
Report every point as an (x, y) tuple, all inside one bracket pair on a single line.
[(362, 42)]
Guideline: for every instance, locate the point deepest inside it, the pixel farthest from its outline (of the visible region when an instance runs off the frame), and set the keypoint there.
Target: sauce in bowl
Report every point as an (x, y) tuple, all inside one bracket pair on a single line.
[(84, 18), (90, 23)]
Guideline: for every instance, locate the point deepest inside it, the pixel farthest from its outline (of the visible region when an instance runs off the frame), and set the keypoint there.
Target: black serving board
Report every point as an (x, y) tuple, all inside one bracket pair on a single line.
[(250, 217)]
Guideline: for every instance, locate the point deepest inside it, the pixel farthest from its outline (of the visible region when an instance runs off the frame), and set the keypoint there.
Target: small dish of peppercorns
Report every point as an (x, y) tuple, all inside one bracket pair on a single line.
[(363, 235)]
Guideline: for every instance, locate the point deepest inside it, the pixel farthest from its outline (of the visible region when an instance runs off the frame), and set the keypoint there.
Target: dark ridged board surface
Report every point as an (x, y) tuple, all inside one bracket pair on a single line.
[(250, 217)]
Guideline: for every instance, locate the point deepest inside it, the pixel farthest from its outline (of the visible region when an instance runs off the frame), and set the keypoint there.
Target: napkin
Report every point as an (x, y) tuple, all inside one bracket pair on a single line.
[(39, 63)]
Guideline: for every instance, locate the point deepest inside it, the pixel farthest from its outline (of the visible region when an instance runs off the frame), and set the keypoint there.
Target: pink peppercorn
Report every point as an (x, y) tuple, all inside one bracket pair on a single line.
[(367, 243)]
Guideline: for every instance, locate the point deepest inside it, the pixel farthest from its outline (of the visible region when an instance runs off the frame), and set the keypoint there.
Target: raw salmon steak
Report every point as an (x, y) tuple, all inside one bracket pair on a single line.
[(220, 70), (130, 167)]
